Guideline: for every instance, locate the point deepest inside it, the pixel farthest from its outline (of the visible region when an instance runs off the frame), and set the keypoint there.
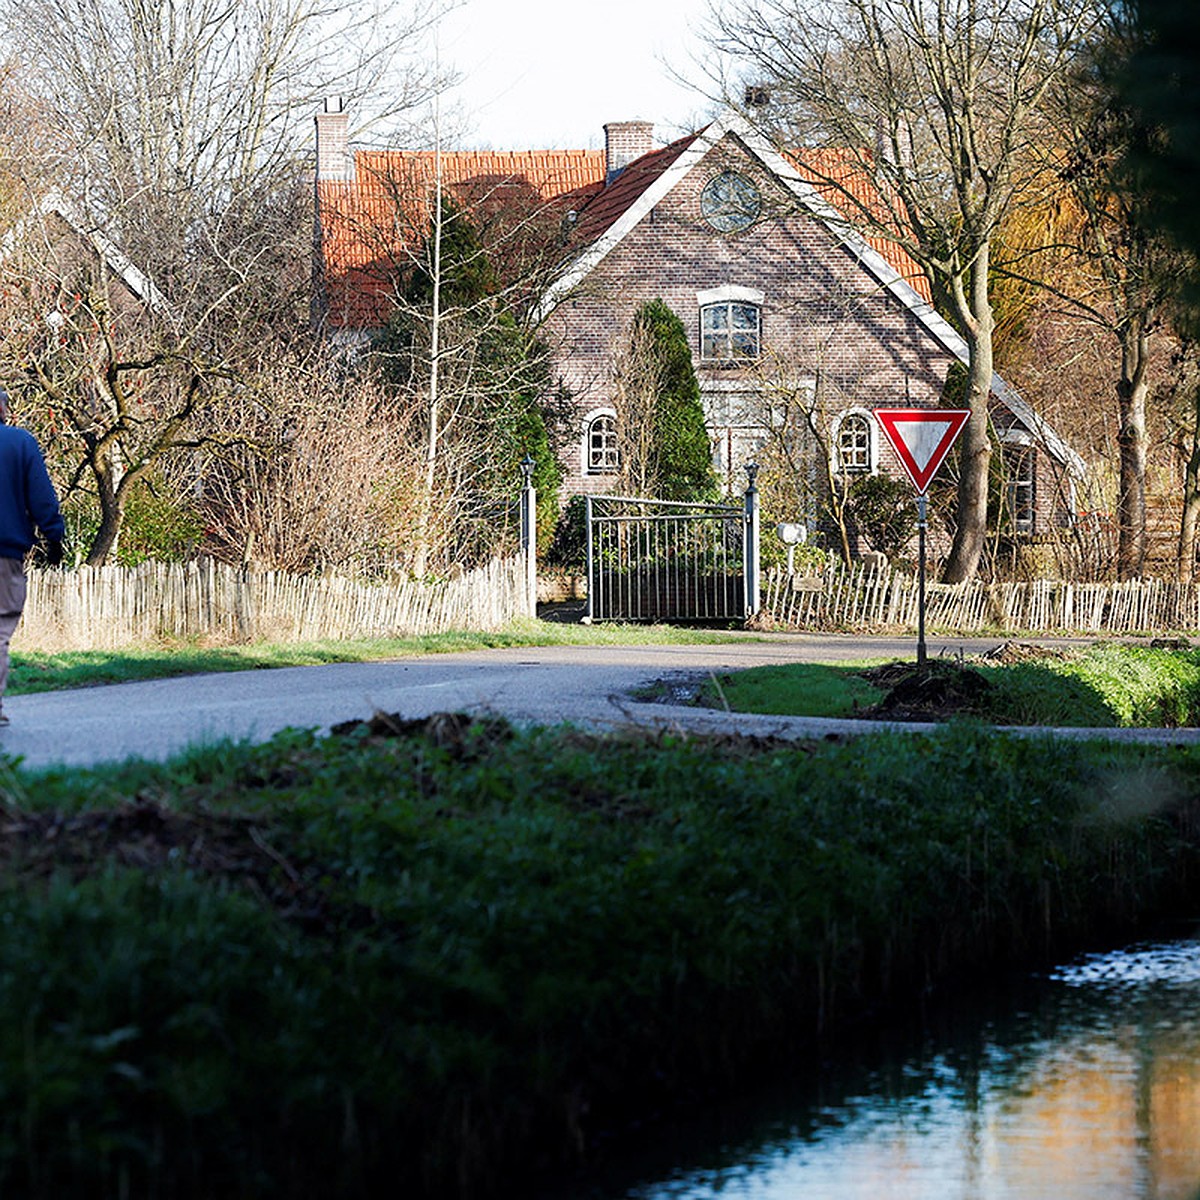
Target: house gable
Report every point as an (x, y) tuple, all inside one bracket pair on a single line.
[(883, 259), (810, 311), (640, 235)]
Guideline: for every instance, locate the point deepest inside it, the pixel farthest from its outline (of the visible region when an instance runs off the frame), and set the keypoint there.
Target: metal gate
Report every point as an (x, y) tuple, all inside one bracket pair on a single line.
[(658, 560)]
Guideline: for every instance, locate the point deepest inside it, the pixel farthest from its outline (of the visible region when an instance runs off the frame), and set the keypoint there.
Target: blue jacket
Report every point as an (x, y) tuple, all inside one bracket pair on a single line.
[(27, 497)]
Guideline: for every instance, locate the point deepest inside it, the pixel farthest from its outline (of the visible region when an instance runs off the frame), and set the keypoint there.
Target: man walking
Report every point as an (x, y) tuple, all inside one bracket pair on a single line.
[(27, 502)]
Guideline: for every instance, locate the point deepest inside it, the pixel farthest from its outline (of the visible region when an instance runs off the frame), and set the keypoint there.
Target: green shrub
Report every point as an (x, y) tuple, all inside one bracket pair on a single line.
[(156, 526), (568, 547), (884, 512)]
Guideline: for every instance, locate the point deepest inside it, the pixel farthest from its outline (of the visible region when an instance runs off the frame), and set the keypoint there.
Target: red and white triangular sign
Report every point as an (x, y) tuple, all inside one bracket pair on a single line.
[(922, 438)]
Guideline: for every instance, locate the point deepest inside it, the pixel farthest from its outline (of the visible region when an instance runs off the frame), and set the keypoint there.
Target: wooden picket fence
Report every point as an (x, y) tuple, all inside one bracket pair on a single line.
[(105, 608), (869, 598)]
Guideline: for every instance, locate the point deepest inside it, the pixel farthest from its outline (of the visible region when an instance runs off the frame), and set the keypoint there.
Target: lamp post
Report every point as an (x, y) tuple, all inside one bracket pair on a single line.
[(752, 597), (529, 532)]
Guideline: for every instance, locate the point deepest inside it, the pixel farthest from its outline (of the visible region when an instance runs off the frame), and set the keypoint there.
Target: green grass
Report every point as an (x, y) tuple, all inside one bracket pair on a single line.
[(799, 690), (1106, 685), (40, 671), (345, 966)]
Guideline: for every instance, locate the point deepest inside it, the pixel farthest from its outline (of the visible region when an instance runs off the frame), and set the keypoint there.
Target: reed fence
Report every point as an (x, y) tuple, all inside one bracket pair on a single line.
[(863, 598), (105, 608)]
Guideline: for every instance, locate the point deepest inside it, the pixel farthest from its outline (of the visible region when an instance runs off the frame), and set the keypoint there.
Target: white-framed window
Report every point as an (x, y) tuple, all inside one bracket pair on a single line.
[(730, 324), (730, 331), (1020, 466), (600, 453), (855, 448)]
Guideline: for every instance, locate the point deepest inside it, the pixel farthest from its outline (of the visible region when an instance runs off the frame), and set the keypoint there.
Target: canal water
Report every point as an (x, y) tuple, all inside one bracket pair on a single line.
[(1080, 1084)]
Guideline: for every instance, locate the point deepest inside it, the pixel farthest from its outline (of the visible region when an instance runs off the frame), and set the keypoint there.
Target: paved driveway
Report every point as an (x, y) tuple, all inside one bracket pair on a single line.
[(589, 686)]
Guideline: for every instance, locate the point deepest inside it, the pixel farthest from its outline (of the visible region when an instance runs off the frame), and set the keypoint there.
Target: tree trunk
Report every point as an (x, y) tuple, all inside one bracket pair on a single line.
[(424, 535), (112, 513), (1190, 518), (1131, 443), (976, 453)]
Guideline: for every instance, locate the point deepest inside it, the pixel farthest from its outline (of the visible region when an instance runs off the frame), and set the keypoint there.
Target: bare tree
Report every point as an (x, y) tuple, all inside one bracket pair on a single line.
[(1183, 397), (938, 103), (1100, 261), (636, 382), (307, 469), (191, 104), (460, 262), (180, 173), (179, 134)]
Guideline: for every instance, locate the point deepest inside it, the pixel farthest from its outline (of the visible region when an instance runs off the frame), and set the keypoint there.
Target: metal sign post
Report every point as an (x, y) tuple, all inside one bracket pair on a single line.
[(921, 438), (922, 507), (529, 533)]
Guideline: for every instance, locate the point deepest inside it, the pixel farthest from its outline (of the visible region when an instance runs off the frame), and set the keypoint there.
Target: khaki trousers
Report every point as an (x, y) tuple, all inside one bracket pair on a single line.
[(12, 603)]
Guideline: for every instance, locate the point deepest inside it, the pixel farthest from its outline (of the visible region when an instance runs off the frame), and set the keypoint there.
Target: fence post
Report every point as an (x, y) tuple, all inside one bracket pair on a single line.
[(529, 534), (752, 518)]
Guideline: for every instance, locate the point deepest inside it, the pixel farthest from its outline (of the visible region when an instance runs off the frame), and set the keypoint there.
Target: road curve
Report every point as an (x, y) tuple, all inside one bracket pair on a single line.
[(586, 685)]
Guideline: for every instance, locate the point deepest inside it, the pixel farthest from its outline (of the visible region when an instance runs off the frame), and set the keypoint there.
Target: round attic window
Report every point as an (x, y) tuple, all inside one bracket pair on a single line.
[(730, 202)]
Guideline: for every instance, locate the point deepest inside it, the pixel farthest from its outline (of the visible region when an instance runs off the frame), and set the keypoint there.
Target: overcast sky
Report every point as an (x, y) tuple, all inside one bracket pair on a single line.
[(548, 73)]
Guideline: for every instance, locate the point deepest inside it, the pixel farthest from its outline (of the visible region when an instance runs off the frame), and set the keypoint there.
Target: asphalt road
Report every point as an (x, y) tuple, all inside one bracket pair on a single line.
[(588, 686)]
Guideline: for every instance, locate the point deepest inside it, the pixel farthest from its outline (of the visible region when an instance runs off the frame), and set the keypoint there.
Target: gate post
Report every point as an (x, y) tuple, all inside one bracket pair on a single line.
[(529, 534), (752, 521), (588, 610)]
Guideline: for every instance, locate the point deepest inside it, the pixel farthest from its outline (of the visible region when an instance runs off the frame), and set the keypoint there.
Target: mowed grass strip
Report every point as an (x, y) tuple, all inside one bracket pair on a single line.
[(1106, 685), (43, 671)]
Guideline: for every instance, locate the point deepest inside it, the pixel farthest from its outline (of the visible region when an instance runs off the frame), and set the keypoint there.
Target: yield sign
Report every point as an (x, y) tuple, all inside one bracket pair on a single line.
[(921, 438)]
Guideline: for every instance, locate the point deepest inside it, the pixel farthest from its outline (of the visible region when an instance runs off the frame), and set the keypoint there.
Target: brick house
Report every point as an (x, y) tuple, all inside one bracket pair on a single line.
[(789, 310)]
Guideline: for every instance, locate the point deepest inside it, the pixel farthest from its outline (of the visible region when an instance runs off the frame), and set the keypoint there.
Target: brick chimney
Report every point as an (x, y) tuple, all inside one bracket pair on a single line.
[(334, 157), (623, 142)]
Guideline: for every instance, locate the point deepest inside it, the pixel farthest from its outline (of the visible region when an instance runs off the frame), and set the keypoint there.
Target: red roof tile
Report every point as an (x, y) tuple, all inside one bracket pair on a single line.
[(368, 224), (836, 173), (611, 203)]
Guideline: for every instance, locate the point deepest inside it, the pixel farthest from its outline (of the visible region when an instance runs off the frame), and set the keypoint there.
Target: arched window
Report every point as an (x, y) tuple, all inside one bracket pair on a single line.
[(854, 444), (600, 445), (730, 330), (1020, 462)]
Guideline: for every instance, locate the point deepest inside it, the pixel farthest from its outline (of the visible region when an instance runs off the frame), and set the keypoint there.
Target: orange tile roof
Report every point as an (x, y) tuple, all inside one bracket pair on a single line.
[(836, 173), (368, 223), (612, 202)]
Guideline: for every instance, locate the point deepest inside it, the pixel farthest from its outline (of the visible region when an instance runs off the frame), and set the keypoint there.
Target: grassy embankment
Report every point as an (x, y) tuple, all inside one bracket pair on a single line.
[(438, 960), (1106, 685)]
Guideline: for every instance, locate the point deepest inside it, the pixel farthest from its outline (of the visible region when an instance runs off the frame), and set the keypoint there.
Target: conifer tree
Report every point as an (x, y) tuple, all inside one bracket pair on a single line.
[(677, 453)]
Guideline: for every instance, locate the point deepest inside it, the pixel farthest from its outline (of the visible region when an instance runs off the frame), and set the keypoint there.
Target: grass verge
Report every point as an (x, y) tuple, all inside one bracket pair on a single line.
[(433, 959), (1106, 685), (42, 671)]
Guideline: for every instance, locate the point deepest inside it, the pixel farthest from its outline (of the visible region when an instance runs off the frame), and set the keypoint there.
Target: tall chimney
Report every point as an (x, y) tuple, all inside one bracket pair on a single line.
[(623, 142), (334, 158)]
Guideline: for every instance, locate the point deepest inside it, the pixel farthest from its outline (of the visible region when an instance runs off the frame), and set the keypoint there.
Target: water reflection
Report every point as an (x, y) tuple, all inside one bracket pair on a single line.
[(1085, 1084)]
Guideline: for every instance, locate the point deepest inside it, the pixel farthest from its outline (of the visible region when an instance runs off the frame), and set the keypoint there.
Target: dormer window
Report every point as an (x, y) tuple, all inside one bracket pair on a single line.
[(730, 324)]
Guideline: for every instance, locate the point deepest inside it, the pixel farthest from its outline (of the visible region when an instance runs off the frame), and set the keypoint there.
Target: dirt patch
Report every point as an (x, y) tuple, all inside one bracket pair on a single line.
[(462, 735), (146, 834), (935, 691), (1018, 652)]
